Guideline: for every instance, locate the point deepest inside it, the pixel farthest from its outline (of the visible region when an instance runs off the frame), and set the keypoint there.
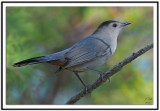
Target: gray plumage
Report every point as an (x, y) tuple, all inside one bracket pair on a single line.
[(91, 51), (86, 54), (101, 43)]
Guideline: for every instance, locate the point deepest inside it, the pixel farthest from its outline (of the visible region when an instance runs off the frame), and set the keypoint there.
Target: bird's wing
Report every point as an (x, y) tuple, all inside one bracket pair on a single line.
[(86, 50)]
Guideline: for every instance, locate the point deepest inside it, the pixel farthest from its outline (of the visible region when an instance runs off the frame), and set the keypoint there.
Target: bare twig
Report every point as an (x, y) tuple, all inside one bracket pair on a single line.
[(110, 73)]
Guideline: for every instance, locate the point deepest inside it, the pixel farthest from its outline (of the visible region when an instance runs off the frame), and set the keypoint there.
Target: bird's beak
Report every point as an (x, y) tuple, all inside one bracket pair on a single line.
[(126, 23)]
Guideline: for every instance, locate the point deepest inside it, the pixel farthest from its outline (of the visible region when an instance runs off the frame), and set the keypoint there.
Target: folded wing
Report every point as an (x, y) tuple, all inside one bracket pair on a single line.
[(86, 50)]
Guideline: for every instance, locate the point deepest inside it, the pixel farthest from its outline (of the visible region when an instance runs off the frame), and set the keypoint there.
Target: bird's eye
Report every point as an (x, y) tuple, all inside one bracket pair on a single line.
[(114, 25)]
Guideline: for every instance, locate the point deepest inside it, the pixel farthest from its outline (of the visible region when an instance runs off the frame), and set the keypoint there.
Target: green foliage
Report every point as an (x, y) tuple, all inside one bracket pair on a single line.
[(38, 31)]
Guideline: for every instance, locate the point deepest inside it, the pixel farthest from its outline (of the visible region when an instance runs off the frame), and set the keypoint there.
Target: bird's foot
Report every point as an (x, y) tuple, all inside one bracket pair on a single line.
[(102, 76), (86, 88)]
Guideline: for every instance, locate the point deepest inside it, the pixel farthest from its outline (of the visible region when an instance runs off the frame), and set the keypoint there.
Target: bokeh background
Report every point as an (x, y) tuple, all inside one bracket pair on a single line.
[(38, 31)]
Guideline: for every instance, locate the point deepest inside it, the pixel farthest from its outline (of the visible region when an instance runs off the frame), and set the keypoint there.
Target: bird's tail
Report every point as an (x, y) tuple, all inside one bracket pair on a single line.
[(31, 61), (55, 59)]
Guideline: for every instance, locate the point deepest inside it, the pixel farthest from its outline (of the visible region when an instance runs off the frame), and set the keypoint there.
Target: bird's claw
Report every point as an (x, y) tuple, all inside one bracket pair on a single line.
[(102, 77), (86, 89)]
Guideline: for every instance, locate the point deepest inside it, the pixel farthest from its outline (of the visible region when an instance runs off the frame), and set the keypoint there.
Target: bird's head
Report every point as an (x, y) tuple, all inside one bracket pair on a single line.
[(111, 27)]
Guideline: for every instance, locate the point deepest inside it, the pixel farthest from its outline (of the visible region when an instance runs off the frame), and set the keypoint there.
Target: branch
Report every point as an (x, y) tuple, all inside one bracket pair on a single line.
[(110, 73)]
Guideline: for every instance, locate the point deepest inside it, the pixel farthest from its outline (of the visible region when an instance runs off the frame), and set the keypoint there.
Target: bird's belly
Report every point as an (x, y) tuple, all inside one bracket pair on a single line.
[(94, 63)]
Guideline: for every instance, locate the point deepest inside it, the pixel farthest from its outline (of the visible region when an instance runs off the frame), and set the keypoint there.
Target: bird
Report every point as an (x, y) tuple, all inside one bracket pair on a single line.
[(86, 54)]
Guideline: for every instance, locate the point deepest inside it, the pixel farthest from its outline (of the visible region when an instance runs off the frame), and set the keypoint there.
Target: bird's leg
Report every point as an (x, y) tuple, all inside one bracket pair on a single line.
[(99, 72), (84, 84)]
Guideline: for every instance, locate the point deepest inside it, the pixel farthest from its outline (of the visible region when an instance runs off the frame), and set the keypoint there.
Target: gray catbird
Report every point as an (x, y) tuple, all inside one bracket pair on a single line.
[(89, 52)]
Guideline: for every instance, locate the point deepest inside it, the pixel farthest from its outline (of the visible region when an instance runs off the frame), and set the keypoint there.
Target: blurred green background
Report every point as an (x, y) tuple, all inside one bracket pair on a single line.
[(38, 31)]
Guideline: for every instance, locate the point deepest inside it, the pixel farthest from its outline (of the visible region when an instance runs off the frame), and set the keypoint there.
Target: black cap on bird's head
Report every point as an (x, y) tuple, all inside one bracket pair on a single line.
[(106, 23)]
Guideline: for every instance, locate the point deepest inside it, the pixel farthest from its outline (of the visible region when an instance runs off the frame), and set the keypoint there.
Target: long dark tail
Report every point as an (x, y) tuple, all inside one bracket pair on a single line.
[(31, 61)]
